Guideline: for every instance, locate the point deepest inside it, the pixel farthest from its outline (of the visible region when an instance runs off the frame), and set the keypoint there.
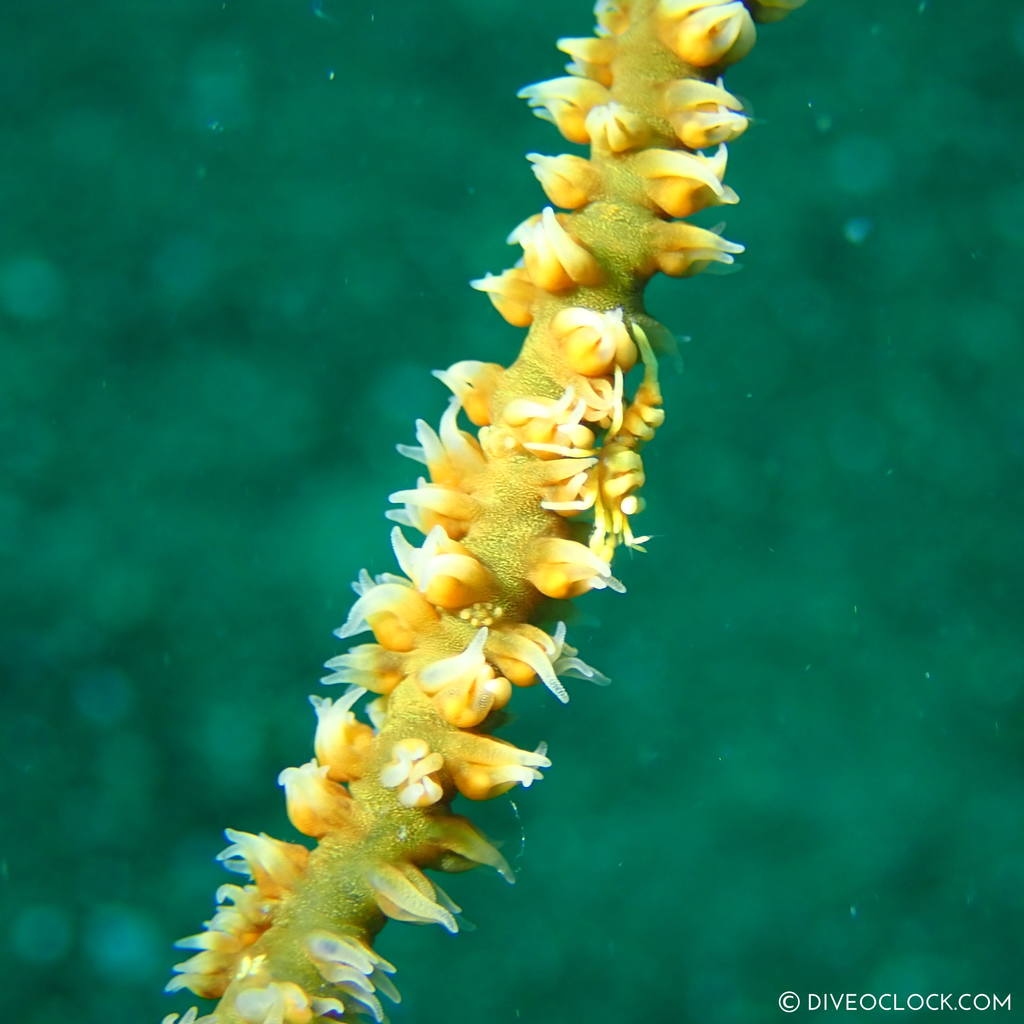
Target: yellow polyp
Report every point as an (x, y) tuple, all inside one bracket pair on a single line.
[(557, 581), (477, 783), (457, 581), (682, 250), (276, 867), (684, 183), (549, 429), (457, 835), (619, 475), (616, 128), (483, 768), (466, 704), (473, 384), (588, 354), (316, 804), (563, 569), (404, 893), (716, 32), (557, 458), (517, 672), (465, 688), (452, 456), (513, 295), (413, 773), (450, 592), (206, 986), (370, 666), (215, 941), (594, 343), (430, 505), (565, 487), (536, 433), (554, 259), (579, 264), (282, 1002), (591, 57), (702, 114), (341, 743), (565, 102), (611, 17), (622, 472), (392, 632), (425, 520), (395, 612), (568, 181), (447, 574), (235, 927)]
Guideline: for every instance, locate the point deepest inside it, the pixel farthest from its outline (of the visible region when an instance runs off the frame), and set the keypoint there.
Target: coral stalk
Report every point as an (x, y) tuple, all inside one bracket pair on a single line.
[(530, 507)]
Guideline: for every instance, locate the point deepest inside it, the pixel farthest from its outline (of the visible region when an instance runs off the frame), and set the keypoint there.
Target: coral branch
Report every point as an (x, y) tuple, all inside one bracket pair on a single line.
[(531, 507)]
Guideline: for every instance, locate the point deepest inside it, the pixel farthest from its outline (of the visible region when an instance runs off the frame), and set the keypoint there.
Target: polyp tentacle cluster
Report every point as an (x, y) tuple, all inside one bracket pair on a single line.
[(530, 506)]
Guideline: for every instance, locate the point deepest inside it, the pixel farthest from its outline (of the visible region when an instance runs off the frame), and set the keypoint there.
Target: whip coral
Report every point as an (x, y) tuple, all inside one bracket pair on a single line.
[(530, 507)]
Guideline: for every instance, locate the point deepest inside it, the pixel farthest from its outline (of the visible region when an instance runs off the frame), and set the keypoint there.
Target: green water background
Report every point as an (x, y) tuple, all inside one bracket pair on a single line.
[(236, 239)]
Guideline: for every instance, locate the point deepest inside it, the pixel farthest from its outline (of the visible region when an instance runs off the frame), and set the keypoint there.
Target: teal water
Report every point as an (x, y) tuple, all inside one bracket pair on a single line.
[(236, 240)]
